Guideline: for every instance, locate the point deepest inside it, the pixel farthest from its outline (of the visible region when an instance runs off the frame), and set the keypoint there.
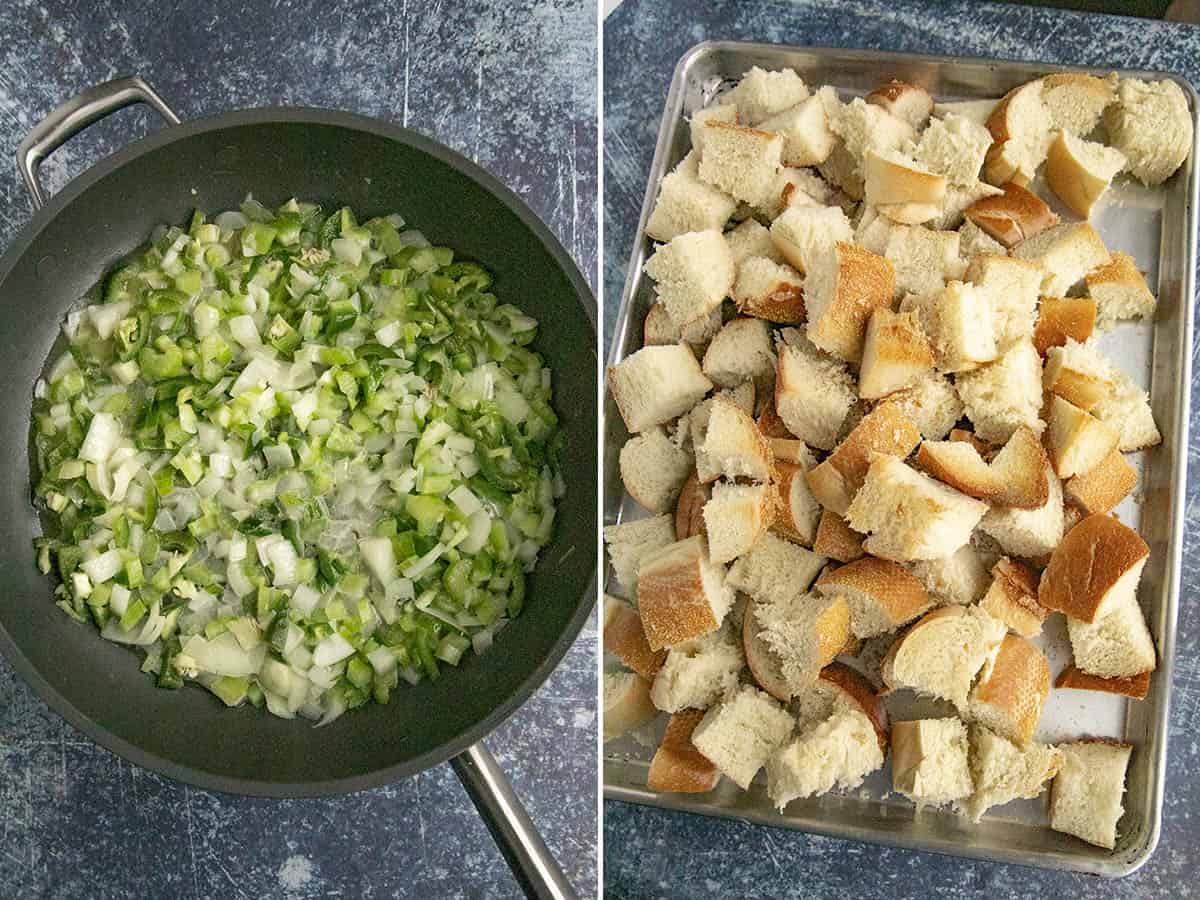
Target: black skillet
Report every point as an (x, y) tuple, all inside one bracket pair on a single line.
[(336, 159)]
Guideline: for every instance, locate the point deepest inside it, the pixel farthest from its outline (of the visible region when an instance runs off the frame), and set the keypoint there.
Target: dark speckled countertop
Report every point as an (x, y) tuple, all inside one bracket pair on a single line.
[(510, 84), (645, 849)]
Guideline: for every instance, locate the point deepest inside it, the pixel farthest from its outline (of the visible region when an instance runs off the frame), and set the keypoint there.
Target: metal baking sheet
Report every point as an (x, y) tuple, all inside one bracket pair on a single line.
[(1157, 227)]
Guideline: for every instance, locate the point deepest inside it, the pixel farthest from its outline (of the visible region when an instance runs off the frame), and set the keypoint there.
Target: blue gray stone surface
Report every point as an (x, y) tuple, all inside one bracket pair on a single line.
[(510, 84), (650, 852)]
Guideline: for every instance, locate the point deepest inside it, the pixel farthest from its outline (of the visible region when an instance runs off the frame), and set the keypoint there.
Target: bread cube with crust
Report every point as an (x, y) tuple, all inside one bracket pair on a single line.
[(1011, 216), (1127, 408), (1002, 771), (1012, 598), (931, 403), (698, 672), (1119, 291), (1065, 254), (656, 384), (693, 273), (739, 734), (774, 568), (942, 653), (735, 517), (1063, 318), (653, 469), (1011, 690), (770, 291), (805, 234), (714, 112), (677, 766), (1005, 394), (839, 752), (1079, 374), (629, 543), (1012, 288), (959, 578), (891, 180), (837, 540), (743, 350), (881, 595), (903, 100), (1102, 487), (863, 126), (751, 239), (740, 161), (958, 322), (804, 632), (1085, 800), (1080, 171), (626, 703), (625, 638), (1151, 125), (681, 594), (1076, 441), (1117, 644), (1020, 128), (807, 138), (1028, 533), (685, 203), (813, 393), (841, 291), (930, 762), (733, 446)]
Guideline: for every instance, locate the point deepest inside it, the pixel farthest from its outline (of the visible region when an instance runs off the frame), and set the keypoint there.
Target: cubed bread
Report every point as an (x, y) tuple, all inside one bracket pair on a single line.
[(653, 469), (1075, 100), (973, 240), (733, 446), (751, 239), (930, 763), (1011, 690), (743, 350), (958, 464), (807, 138), (958, 199), (910, 515), (1012, 597), (958, 322), (1063, 318), (1011, 287), (884, 429), (656, 384), (960, 578), (1079, 374), (698, 672), (625, 638), (1134, 686), (677, 766), (1117, 644), (931, 403), (813, 393), (693, 273), (1003, 395), (1076, 441), (1097, 564), (689, 508), (740, 161), (1150, 124), (1028, 533), (804, 632), (890, 178), (843, 170), (923, 259), (1085, 800), (1012, 217), (773, 568), (954, 146), (761, 94), (975, 110), (694, 428), (765, 665), (1119, 291), (738, 735), (881, 595), (1080, 171), (768, 290), (789, 450), (909, 102), (685, 203), (1127, 408), (793, 187), (839, 752), (631, 542), (1065, 254), (940, 655), (681, 594), (626, 703), (837, 540), (735, 516), (796, 509), (807, 233), (1103, 486), (1001, 771), (1022, 465), (660, 328), (714, 112), (841, 291), (1019, 125), (864, 127), (839, 689)]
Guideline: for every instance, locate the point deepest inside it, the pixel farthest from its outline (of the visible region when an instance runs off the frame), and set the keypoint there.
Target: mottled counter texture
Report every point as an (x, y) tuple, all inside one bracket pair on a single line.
[(510, 84), (649, 852)]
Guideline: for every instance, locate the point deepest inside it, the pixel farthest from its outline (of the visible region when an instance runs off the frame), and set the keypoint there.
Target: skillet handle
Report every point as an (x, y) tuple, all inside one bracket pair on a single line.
[(77, 114), (515, 834)]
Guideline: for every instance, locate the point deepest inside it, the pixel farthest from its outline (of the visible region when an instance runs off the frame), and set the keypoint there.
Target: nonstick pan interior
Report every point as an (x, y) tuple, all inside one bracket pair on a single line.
[(335, 159)]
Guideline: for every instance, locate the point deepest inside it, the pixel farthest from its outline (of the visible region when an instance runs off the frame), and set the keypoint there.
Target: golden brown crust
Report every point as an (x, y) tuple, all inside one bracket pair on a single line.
[(1091, 558), (1121, 269), (837, 540), (833, 630), (885, 429), (755, 445), (864, 283), (894, 341), (787, 450), (1013, 216), (1060, 318), (1012, 598), (625, 638), (902, 99), (1015, 686), (770, 424), (783, 304), (672, 600), (689, 508), (1135, 686), (678, 766), (982, 447), (964, 471), (859, 690), (1021, 464), (893, 587), (1104, 486), (784, 522)]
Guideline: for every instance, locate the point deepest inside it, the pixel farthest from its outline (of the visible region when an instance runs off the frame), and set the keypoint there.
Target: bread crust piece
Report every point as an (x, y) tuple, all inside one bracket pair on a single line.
[(1013, 216), (1102, 488), (771, 425), (1018, 125), (689, 508), (1135, 686), (797, 510), (891, 178), (626, 703), (1076, 441), (1011, 690), (859, 283), (1119, 290), (895, 353), (625, 638), (1012, 598), (983, 448), (883, 430), (1080, 171), (1092, 558), (763, 662), (680, 595), (837, 540), (678, 767), (904, 101), (856, 689), (1060, 318), (959, 465), (892, 589), (1021, 464), (766, 290)]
